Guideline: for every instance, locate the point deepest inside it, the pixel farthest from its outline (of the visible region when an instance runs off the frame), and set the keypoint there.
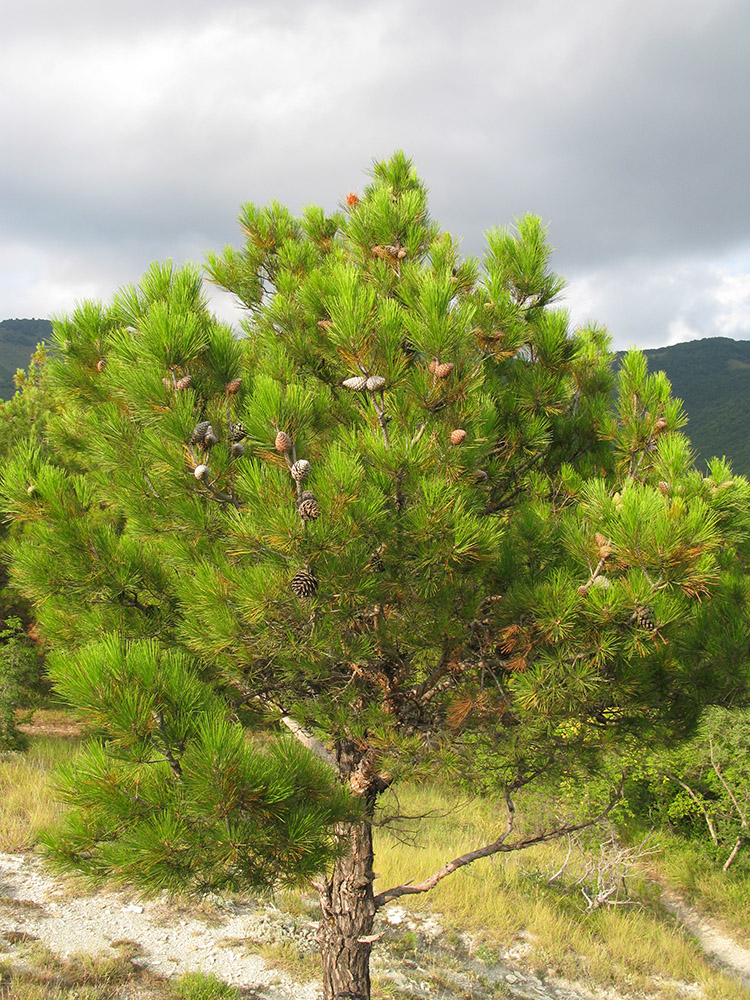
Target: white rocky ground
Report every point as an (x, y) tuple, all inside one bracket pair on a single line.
[(219, 938)]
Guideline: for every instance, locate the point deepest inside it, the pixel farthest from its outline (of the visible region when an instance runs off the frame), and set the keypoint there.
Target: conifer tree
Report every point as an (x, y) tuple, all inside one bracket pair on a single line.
[(397, 521)]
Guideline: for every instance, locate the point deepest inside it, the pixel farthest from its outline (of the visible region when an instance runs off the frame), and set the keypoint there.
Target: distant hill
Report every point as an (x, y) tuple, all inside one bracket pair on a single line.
[(18, 338), (712, 378)]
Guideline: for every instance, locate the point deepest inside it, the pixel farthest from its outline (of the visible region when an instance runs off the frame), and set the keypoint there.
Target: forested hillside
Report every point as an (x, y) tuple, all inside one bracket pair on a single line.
[(712, 378), (18, 338)]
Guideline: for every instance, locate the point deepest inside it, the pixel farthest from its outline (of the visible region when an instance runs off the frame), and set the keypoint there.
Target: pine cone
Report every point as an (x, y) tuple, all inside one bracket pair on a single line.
[(209, 439), (183, 383), (309, 509), (283, 443), (376, 562), (394, 251), (199, 431), (237, 450), (325, 324), (101, 364), (375, 383), (444, 369), (237, 431), (233, 387), (305, 495), (200, 471), (646, 618), (304, 583), (300, 470), (356, 384), (432, 366), (458, 436)]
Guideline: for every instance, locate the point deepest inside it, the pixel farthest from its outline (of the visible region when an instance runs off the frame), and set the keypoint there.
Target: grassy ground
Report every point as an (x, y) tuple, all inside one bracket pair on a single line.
[(483, 908), (633, 946), (43, 976), (28, 804)]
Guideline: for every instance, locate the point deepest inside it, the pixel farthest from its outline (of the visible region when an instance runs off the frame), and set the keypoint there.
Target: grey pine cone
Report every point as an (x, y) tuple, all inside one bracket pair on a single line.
[(300, 470), (375, 383), (237, 450), (199, 431), (357, 383)]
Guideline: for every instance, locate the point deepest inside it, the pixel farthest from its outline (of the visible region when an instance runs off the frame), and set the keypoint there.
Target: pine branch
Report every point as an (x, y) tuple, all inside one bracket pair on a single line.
[(308, 740), (168, 755)]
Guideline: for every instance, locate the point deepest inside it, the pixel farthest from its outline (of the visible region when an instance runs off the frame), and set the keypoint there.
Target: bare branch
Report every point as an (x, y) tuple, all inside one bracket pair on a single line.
[(722, 779), (740, 812), (299, 732), (496, 847), (699, 803)]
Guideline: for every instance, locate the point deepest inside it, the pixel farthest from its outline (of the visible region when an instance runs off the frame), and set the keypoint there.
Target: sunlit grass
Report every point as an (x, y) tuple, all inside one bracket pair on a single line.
[(637, 947), (639, 950), (28, 804)]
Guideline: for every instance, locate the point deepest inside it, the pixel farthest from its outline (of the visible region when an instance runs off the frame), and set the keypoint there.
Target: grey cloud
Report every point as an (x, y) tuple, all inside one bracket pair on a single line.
[(138, 130)]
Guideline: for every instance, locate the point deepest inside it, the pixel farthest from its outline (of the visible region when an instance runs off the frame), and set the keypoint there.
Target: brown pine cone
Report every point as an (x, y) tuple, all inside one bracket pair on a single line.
[(283, 443)]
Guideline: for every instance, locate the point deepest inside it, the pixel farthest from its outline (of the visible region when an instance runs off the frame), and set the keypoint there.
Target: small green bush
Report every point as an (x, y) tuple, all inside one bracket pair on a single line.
[(19, 677)]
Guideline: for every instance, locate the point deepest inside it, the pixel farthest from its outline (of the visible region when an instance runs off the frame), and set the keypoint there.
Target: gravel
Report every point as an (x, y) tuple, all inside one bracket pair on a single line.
[(171, 940)]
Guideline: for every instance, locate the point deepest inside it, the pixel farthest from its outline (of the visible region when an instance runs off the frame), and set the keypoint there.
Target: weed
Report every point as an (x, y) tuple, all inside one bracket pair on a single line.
[(198, 986)]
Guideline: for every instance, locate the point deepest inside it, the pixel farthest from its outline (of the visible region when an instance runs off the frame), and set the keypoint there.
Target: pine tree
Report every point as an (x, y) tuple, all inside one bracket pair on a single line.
[(397, 521)]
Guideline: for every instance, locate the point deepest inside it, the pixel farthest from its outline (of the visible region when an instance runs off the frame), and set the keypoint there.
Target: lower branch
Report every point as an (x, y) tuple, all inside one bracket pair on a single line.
[(299, 732), (496, 847)]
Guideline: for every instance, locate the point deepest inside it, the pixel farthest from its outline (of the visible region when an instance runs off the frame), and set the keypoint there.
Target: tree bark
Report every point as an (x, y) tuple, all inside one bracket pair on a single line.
[(347, 914), (346, 896)]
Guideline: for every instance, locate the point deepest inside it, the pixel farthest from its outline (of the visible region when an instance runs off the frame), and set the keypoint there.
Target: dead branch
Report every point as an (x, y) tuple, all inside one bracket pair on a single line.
[(699, 802), (606, 876), (496, 847), (740, 812), (299, 732)]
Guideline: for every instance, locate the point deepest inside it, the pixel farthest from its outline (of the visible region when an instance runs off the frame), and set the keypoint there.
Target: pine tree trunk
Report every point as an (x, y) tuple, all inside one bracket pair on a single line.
[(346, 898), (347, 913)]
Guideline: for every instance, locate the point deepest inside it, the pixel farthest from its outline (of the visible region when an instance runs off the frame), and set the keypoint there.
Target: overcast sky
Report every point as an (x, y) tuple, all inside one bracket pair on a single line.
[(134, 129)]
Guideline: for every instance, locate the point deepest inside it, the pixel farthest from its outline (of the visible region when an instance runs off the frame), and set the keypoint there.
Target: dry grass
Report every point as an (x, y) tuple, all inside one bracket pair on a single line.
[(42, 976), (723, 895), (636, 948), (26, 791)]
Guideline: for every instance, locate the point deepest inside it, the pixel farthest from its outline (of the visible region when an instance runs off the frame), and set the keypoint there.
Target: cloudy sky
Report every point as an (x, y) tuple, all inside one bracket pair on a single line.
[(134, 129)]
